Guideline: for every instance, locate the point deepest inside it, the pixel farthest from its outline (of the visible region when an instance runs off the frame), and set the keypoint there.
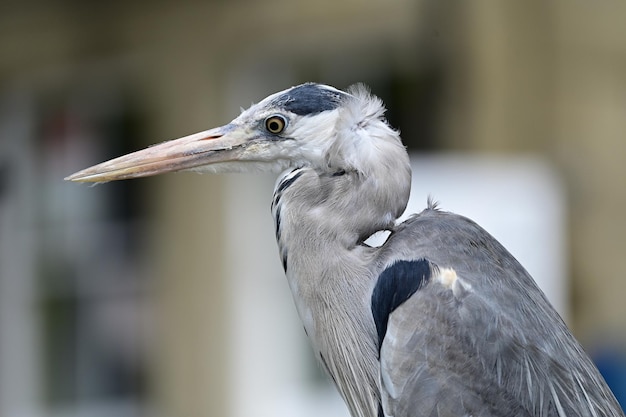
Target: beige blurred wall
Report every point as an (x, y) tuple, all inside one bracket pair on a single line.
[(533, 77), (551, 79)]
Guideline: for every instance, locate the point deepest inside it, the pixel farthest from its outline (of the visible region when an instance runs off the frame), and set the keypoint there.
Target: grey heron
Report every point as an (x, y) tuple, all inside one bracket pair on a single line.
[(441, 320)]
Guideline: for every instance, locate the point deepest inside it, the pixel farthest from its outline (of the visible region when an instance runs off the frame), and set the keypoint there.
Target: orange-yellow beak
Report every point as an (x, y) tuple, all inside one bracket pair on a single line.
[(220, 145)]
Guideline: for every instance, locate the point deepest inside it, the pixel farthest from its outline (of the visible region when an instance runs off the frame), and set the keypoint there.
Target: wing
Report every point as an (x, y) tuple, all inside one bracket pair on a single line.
[(476, 336)]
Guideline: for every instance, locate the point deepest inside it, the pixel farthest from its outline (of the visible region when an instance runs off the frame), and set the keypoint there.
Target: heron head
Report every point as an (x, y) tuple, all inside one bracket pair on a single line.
[(307, 125)]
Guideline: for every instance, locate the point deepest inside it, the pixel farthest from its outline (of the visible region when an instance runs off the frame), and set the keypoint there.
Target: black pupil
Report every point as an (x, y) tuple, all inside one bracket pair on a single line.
[(274, 125)]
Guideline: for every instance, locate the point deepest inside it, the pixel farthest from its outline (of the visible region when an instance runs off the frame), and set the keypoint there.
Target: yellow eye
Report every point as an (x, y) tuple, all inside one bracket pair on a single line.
[(275, 124)]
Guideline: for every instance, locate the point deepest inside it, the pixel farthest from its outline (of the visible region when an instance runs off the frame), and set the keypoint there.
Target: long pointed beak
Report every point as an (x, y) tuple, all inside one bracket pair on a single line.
[(221, 144)]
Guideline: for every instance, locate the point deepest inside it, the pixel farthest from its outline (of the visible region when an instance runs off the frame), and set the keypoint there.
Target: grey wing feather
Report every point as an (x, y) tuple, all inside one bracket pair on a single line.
[(480, 339)]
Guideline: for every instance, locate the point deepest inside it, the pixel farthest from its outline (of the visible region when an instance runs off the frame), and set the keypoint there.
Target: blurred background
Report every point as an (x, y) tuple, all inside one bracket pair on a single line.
[(165, 296)]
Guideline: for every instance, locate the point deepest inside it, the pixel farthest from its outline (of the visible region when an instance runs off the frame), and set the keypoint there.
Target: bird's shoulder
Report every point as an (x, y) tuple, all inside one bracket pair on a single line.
[(464, 329)]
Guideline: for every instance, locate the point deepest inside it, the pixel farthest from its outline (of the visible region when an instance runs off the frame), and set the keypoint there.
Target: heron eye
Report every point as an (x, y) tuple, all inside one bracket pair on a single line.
[(275, 124)]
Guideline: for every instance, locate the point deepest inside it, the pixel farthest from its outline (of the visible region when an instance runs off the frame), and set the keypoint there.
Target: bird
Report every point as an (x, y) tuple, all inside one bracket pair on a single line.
[(439, 320)]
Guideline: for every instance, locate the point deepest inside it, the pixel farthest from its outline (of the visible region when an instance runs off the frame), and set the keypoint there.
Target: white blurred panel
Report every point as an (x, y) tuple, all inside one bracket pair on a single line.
[(519, 200)]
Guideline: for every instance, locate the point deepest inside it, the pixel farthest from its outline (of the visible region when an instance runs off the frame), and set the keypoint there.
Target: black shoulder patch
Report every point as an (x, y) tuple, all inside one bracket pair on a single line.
[(309, 99), (395, 285)]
